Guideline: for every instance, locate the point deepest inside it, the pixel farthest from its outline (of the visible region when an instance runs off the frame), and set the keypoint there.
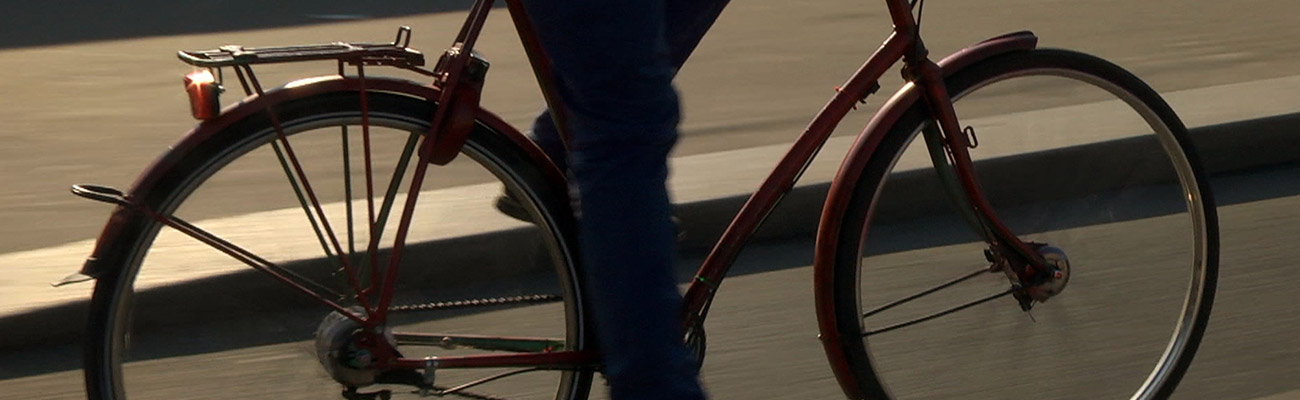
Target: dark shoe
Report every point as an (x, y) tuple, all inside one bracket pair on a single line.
[(508, 205)]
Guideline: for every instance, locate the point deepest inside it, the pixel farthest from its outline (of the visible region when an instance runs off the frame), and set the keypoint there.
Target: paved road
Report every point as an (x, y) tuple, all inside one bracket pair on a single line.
[(100, 111), (754, 81), (763, 335)]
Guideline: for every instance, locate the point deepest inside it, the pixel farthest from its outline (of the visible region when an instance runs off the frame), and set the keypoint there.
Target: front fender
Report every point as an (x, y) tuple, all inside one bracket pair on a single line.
[(846, 179), (102, 259)]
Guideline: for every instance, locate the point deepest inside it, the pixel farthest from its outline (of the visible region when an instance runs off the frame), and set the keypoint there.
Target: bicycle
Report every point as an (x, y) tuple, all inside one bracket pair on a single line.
[(1010, 217)]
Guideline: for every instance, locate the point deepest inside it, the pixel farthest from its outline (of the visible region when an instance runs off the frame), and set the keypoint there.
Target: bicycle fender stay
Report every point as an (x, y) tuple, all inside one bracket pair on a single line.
[(843, 185), (126, 216)]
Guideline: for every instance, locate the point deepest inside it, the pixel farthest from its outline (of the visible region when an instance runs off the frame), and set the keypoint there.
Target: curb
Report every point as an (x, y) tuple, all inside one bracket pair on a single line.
[(1272, 141)]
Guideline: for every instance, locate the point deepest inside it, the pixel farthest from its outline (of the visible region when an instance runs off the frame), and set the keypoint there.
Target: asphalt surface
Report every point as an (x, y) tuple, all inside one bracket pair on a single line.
[(98, 112), (763, 336)]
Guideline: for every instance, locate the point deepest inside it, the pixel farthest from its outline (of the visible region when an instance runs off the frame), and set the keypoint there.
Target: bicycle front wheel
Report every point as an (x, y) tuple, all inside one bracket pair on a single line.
[(180, 319), (1087, 164)]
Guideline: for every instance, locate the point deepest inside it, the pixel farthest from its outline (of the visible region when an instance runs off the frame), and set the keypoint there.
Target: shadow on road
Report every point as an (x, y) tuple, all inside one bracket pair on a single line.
[(61, 323), (32, 23)]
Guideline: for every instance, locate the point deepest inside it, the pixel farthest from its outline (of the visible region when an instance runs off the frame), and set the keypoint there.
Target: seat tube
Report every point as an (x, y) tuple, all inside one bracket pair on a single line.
[(541, 64)]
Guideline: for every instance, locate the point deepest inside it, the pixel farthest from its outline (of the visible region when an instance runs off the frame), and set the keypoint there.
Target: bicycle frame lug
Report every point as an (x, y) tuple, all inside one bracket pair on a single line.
[(919, 52), (914, 60), (908, 73)]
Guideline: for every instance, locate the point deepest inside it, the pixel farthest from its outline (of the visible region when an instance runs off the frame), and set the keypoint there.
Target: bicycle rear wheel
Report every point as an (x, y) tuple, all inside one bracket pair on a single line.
[(182, 320), (1076, 155)]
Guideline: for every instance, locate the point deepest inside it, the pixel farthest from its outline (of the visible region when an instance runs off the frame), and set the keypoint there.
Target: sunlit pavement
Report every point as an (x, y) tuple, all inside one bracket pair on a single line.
[(71, 122)]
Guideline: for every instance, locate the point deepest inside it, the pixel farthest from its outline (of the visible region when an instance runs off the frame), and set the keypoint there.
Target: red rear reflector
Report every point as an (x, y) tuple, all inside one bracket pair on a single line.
[(203, 90)]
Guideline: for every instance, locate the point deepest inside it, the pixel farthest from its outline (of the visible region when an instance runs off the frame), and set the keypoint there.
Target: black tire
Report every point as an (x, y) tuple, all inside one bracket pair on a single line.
[(255, 313), (1030, 193)]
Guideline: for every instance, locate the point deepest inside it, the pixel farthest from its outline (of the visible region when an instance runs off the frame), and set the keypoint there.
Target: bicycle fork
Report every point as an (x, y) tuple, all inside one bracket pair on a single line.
[(1036, 270)]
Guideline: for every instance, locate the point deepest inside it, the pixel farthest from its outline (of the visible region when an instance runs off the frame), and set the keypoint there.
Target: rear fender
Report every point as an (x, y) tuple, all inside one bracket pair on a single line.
[(844, 183), (125, 218)]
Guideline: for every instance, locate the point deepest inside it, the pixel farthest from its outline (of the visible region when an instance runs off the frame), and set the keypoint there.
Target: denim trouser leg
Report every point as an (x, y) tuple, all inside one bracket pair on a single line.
[(686, 23), (615, 76)]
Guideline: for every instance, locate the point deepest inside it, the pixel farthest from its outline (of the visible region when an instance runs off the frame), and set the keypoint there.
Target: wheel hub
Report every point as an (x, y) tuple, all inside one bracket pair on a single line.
[(342, 349), (1058, 274)]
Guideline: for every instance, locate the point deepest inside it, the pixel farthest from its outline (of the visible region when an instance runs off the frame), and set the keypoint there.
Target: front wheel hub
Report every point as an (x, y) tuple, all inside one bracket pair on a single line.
[(1058, 274)]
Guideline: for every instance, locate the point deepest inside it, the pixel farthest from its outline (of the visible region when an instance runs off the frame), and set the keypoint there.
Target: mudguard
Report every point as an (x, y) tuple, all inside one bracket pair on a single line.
[(99, 262), (846, 178)]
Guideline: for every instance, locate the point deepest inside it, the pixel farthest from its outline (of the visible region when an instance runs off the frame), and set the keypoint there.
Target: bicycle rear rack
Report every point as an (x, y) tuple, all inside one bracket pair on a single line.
[(397, 54), (205, 86)]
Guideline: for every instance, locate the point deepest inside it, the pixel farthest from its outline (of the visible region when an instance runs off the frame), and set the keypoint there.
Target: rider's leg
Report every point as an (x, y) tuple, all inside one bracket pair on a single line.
[(615, 78), (687, 21)]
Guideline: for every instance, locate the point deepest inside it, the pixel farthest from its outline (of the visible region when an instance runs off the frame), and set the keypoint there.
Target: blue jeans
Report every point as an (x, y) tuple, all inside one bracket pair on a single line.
[(614, 62)]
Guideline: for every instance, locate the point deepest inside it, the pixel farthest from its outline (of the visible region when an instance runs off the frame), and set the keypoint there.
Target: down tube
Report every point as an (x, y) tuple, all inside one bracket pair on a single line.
[(786, 173)]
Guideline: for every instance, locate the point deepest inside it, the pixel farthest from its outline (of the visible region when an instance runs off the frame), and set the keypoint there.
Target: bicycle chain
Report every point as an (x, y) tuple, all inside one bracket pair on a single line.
[(495, 301)]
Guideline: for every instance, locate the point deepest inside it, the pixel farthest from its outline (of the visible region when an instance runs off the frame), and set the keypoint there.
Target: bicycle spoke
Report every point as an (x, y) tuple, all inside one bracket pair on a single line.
[(459, 390), (390, 196), (404, 224), (302, 201), (255, 87), (287, 157), (923, 293), (395, 183), (301, 176), (347, 193), (347, 186), (309, 138), (372, 250), (293, 279), (939, 314)]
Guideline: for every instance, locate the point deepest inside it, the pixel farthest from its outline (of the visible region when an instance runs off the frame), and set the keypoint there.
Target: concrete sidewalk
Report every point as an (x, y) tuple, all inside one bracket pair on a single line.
[(1237, 127)]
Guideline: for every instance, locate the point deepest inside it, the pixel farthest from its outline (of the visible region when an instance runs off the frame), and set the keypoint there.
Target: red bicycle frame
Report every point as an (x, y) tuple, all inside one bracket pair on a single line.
[(455, 89), (904, 44)]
